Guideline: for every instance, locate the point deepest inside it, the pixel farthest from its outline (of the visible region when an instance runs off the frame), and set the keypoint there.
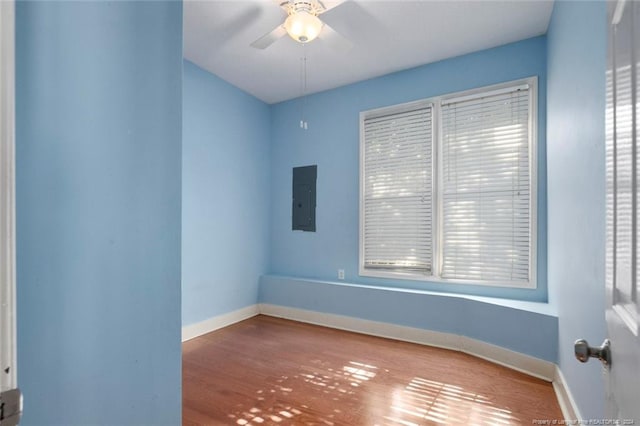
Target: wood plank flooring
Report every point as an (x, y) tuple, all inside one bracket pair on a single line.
[(269, 371)]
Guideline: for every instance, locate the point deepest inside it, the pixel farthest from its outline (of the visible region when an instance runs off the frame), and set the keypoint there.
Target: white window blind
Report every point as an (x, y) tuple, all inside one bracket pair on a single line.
[(486, 189), (625, 175), (398, 190)]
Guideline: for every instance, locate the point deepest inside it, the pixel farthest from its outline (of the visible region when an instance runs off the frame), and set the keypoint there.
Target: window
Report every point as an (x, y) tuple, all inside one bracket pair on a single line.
[(397, 190), (459, 207)]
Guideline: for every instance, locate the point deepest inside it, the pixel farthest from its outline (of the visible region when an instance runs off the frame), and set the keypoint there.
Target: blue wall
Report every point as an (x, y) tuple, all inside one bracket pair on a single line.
[(576, 178), (476, 317), (98, 211), (332, 142), (225, 188)]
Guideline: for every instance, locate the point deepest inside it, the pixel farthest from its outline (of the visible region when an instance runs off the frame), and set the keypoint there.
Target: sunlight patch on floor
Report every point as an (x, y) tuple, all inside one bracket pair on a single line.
[(418, 402), (443, 403)]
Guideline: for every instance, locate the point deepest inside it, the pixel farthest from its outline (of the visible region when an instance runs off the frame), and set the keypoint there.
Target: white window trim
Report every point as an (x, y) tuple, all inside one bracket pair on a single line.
[(436, 102)]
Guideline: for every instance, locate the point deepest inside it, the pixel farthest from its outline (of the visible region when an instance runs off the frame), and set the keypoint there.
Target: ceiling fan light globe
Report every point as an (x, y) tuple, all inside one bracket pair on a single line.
[(303, 26)]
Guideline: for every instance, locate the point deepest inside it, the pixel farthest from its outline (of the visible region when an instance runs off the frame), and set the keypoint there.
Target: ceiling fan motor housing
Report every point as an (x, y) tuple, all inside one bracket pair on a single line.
[(311, 6), (303, 24)]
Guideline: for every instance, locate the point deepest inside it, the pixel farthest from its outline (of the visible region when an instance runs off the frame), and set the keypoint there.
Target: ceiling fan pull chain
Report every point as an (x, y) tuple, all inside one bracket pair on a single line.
[(303, 88), (302, 92)]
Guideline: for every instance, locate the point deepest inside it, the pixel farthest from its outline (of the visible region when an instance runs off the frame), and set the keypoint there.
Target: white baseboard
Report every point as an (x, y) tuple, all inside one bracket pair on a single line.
[(515, 360), (217, 322), (565, 399)]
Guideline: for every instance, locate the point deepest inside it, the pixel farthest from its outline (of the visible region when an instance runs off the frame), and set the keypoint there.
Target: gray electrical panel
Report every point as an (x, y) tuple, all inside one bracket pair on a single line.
[(303, 211)]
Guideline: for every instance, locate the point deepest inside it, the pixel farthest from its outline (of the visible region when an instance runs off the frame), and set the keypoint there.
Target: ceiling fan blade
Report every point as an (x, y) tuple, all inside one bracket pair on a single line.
[(328, 5), (269, 38), (237, 24), (334, 39)]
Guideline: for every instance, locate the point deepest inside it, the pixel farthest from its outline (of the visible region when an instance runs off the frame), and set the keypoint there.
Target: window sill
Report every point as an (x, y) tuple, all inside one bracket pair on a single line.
[(414, 276)]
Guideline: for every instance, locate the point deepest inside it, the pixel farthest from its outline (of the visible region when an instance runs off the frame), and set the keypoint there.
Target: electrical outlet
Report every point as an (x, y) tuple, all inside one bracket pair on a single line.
[(341, 274)]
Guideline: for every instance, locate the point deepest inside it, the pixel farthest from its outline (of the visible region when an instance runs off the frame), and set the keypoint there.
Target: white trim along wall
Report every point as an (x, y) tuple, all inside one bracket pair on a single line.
[(220, 321), (8, 370)]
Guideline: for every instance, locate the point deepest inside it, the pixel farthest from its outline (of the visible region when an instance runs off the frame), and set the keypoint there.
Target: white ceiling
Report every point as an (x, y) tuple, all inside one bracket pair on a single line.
[(387, 36)]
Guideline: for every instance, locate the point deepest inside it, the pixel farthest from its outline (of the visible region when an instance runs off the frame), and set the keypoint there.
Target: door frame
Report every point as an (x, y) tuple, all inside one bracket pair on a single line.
[(8, 353)]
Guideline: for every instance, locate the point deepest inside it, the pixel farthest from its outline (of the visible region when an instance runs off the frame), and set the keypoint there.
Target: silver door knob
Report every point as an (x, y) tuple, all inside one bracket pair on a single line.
[(583, 351)]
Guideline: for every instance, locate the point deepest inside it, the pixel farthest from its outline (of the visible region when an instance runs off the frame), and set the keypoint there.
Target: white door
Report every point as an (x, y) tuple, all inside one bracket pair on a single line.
[(623, 211), (10, 398)]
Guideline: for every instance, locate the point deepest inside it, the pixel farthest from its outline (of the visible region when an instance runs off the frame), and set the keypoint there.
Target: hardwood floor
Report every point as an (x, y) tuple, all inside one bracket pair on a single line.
[(269, 371)]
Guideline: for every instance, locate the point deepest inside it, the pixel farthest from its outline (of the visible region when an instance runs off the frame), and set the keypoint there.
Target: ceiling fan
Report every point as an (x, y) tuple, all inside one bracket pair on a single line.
[(303, 25)]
